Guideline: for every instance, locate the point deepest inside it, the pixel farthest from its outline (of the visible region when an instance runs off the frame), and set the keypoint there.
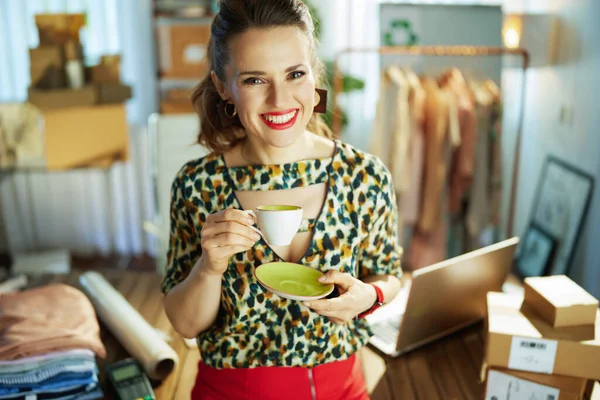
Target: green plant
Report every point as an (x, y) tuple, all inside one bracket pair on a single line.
[(350, 83)]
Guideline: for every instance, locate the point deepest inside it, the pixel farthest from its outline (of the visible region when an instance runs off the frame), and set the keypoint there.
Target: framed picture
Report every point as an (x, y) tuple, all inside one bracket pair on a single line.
[(560, 206), (536, 253)]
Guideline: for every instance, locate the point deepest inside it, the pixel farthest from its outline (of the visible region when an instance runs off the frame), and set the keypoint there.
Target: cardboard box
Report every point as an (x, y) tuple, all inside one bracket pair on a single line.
[(46, 67), (176, 107), (518, 338), (110, 93), (85, 136), (62, 98), (560, 301), (509, 384), (58, 29), (183, 49), (566, 384)]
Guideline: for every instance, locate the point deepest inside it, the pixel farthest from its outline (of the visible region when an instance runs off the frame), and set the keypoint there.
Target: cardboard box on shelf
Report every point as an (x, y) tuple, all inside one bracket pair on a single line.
[(505, 384), (85, 136), (183, 49), (46, 67), (568, 385), (518, 338), (108, 71), (560, 301), (176, 107), (62, 98), (110, 93), (58, 29)]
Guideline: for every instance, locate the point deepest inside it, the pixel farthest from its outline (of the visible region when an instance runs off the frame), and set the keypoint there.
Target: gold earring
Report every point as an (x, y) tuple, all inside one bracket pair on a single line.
[(232, 113)]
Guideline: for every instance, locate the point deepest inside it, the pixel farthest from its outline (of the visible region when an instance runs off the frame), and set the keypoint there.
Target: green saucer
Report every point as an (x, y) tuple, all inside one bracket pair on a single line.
[(292, 281)]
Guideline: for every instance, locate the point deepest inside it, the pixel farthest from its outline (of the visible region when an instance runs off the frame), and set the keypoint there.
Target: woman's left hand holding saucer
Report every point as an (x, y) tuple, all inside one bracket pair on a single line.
[(355, 297)]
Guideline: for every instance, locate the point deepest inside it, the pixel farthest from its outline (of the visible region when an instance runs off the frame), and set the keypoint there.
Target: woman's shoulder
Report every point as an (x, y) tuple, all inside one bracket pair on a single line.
[(358, 161), (209, 166)]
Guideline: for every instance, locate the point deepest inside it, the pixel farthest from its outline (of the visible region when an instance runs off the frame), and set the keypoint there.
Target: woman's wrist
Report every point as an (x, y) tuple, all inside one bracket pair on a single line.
[(202, 271), (372, 297)]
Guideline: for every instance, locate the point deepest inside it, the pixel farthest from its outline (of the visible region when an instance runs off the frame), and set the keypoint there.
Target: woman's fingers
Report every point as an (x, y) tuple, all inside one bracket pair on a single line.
[(227, 239), (227, 251), (231, 214), (233, 227)]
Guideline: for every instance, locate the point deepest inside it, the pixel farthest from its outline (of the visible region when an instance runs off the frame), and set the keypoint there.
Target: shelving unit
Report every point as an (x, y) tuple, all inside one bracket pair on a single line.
[(181, 29)]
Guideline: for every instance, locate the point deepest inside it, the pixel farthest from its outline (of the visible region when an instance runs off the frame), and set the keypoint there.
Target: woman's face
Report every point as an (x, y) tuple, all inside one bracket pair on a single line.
[(271, 82)]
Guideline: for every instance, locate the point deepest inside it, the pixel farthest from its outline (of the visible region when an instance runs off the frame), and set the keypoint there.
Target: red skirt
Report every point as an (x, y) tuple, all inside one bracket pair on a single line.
[(339, 380)]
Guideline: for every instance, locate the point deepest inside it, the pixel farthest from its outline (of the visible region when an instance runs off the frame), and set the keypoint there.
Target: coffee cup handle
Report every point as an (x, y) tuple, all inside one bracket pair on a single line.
[(255, 229)]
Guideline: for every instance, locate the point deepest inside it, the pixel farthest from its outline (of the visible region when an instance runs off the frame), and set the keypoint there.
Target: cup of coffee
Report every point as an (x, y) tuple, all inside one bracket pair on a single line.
[(277, 224)]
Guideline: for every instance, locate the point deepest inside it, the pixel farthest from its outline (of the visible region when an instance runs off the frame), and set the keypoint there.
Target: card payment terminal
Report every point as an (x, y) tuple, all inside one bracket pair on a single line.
[(128, 381)]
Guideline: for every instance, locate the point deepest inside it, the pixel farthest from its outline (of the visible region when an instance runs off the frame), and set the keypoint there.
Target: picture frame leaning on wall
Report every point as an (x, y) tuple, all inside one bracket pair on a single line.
[(560, 206)]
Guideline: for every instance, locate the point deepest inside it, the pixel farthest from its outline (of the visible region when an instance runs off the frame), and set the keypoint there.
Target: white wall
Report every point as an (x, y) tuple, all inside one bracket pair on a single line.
[(573, 84)]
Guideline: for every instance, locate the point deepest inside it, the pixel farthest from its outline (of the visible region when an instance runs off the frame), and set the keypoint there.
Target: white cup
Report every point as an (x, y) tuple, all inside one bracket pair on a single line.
[(278, 224)]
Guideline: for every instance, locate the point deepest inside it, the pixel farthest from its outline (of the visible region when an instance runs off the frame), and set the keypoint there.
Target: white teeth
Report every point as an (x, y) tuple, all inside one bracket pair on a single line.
[(280, 119)]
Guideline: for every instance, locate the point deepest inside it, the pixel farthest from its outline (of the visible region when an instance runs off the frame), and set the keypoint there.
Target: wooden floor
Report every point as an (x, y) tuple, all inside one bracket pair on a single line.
[(447, 369)]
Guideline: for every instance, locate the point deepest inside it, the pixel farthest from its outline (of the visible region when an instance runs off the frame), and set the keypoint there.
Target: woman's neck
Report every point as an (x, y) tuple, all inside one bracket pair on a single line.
[(255, 152)]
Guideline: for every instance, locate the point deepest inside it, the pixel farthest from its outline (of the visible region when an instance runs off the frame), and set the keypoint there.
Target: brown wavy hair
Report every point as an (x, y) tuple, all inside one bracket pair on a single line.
[(234, 18)]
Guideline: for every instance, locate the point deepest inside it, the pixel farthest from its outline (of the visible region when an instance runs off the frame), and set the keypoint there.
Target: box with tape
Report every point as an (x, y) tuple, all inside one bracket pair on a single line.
[(519, 339), (560, 301)]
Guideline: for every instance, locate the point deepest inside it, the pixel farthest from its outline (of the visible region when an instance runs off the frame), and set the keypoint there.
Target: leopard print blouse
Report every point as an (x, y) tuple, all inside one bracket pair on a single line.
[(355, 232)]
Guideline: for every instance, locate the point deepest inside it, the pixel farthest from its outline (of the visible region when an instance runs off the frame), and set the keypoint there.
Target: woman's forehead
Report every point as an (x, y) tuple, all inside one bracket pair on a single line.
[(268, 50)]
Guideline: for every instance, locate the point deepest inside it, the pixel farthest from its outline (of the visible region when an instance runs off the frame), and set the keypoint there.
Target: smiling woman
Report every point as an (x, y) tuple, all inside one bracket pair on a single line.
[(257, 109)]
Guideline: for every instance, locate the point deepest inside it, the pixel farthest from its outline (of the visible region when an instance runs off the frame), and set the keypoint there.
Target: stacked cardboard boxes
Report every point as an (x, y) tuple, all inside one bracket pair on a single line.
[(545, 344), (59, 78), (85, 122)]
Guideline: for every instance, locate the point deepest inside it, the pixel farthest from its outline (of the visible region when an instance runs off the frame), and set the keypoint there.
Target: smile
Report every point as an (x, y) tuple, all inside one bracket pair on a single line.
[(279, 121)]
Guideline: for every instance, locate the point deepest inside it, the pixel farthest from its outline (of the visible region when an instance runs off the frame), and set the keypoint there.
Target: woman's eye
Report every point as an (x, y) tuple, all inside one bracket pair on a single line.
[(252, 81), (297, 74)]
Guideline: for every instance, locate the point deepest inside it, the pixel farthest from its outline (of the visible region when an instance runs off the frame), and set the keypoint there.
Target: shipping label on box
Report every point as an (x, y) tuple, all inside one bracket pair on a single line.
[(502, 386)]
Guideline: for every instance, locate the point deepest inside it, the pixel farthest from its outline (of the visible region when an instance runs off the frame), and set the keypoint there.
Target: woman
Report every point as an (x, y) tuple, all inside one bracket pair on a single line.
[(256, 111)]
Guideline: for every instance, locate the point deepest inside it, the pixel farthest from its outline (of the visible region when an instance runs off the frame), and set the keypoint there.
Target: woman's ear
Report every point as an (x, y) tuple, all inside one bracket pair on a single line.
[(218, 84)]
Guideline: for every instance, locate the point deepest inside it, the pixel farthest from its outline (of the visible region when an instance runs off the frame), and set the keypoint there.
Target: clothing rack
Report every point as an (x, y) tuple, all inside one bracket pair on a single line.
[(466, 51)]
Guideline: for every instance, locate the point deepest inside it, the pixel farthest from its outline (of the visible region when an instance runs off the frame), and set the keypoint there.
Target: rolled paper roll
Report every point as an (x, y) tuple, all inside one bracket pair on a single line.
[(136, 335)]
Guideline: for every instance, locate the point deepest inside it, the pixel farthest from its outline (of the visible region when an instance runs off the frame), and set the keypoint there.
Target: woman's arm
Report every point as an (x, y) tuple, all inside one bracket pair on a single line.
[(390, 285), (193, 304)]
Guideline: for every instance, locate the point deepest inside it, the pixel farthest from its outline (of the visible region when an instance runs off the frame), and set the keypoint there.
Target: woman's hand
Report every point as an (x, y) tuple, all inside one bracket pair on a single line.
[(355, 297), (224, 234)]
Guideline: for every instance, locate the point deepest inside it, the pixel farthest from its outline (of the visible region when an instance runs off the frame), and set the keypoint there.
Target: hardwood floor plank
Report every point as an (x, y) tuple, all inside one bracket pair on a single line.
[(443, 374), (475, 349), (467, 376), (399, 379), (421, 374)]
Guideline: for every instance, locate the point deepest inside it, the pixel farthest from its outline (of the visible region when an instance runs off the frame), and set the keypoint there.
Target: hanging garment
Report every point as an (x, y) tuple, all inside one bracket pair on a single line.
[(463, 159), (479, 201), (410, 201), (495, 179), (436, 128), (391, 136), (21, 141), (428, 244)]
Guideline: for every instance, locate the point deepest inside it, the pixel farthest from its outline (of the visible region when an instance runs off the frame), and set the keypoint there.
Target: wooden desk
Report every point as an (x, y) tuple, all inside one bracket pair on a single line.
[(447, 369)]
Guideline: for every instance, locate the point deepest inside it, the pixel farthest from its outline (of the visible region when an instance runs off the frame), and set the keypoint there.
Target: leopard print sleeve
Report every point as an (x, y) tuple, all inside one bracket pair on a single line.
[(184, 242), (380, 252)]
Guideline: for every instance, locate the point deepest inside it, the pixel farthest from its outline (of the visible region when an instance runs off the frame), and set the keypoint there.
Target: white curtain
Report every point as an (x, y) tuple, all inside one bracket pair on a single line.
[(84, 211)]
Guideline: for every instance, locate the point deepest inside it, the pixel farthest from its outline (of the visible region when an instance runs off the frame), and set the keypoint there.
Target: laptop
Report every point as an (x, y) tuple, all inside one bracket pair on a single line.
[(441, 299)]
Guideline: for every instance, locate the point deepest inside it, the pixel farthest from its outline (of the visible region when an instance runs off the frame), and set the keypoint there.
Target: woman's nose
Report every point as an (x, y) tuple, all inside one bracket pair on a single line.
[(279, 96)]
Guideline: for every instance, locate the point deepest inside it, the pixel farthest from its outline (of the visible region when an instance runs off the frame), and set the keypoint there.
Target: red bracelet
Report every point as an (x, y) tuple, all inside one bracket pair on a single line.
[(378, 302)]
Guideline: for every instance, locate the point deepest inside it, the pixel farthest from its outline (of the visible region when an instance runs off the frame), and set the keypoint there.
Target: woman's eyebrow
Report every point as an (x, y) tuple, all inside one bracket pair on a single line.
[(254, 73)]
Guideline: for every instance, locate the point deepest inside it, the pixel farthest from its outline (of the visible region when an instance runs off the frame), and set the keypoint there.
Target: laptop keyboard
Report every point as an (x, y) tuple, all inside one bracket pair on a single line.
[(388, 329)]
